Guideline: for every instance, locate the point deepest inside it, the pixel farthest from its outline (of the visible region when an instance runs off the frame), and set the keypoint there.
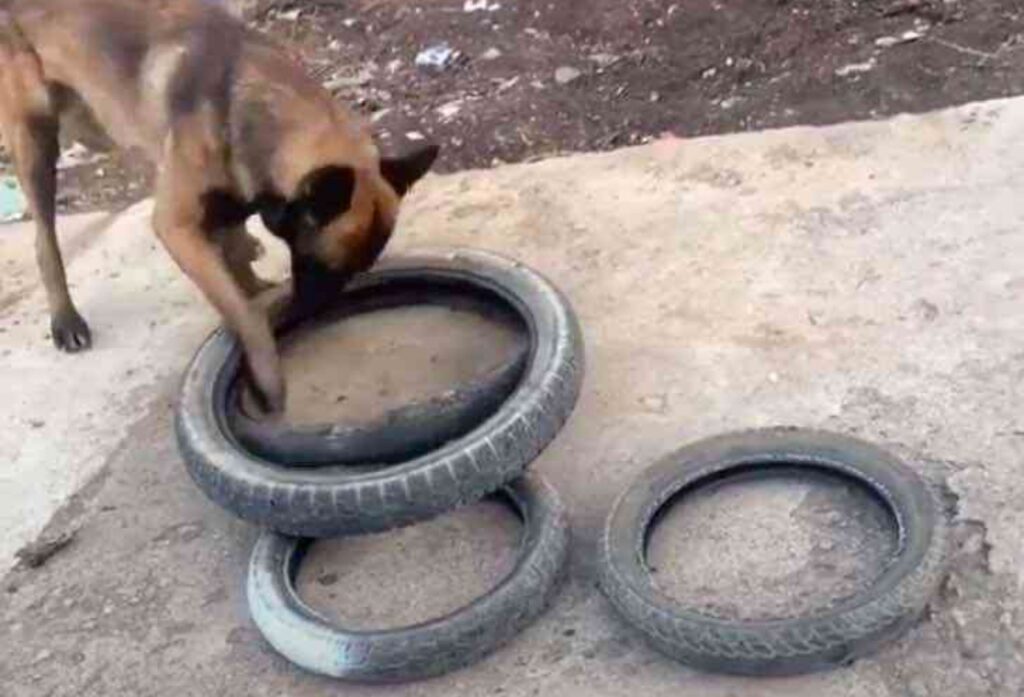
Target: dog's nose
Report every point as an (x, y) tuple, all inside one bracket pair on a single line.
[(315, 285)]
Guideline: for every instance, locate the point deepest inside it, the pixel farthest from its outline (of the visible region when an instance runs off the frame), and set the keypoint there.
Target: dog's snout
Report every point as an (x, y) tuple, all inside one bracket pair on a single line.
[(315, 285)]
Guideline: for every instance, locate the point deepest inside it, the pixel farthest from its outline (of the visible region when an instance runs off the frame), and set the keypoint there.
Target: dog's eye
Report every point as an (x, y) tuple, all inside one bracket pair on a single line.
[(327, 192)]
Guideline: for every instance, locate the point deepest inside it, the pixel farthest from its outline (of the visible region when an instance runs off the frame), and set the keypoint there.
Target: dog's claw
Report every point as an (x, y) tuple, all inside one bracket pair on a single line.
[(70, 332)]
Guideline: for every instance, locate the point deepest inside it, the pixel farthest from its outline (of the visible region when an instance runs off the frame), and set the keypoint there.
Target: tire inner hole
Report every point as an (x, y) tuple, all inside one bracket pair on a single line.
[(415, 574), (359, 368), (770, 544)]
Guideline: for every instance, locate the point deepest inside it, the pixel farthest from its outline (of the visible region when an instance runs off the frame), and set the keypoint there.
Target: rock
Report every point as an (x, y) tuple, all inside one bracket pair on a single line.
[(490, 54), (603, 60), (338, 82), (566, 74), (448, 110)]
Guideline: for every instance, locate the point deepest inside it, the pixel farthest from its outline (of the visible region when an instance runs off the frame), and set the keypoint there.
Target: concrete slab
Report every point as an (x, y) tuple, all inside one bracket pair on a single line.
[(862, 278)]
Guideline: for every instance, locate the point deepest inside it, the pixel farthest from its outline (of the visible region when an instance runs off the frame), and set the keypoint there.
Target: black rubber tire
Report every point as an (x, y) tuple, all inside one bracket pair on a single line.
[(438, 646), (820, 641), (339, 500)]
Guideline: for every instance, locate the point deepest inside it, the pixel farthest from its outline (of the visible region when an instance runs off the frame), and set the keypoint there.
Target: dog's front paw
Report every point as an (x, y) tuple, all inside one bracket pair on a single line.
[(70, 332)]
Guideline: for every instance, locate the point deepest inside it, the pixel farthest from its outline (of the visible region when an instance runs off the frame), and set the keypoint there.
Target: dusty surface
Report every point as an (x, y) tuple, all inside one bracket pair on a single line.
[(818, 541), (636, 69), (391, 357), (863, 278), (456, 559)]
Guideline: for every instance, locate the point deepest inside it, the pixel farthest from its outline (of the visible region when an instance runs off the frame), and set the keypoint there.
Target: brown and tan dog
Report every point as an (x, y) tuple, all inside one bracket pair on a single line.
[(234, 127)]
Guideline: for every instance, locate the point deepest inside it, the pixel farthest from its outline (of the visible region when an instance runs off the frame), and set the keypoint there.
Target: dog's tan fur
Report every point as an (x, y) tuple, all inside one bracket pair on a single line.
[(234, 127)]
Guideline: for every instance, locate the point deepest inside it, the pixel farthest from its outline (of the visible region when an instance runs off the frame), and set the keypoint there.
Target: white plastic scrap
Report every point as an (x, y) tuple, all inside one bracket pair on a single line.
[(12, 201), (438, 56), (480, 6), (855, 68)]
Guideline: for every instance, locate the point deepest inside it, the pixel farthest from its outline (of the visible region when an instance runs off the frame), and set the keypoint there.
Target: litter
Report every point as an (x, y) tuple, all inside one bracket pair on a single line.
[(12, 201)]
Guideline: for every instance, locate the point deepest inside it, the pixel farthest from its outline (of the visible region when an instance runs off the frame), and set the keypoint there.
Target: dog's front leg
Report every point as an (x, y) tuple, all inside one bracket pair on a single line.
[(179, 223)]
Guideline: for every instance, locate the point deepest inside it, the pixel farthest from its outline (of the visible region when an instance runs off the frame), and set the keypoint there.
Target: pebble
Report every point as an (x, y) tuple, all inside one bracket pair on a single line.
[(491, 54), (603, 60), (566, 74)]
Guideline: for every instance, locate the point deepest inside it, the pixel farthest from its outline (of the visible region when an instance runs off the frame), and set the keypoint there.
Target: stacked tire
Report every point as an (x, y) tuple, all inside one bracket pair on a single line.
[(414, 465)]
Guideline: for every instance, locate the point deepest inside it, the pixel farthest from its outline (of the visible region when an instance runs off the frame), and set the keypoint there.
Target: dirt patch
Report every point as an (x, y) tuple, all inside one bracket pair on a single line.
[(527, 79)]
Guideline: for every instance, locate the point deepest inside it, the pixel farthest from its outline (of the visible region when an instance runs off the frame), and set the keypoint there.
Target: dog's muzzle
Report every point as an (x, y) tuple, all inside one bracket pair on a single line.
[(314, 285)]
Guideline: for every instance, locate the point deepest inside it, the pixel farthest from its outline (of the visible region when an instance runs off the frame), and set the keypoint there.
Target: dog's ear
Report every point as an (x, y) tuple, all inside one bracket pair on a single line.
[(327, 192), (404, 171)]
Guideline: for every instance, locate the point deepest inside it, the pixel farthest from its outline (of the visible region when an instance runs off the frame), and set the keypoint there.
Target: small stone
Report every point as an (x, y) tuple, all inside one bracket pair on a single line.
[(491, 54), (603, 60), (449, 110), (654, 97), (566, 74), (43, 655)]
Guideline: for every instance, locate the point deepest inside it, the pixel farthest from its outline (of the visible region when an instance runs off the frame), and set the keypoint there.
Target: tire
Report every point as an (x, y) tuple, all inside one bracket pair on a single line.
[(335, 500), (832, 637), (438, 646)]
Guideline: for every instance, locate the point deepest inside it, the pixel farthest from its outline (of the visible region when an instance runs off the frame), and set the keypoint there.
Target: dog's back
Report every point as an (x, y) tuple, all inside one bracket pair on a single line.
[(135, 64)]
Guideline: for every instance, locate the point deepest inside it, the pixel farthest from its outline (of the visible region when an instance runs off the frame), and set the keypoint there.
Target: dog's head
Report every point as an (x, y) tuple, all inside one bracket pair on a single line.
[(340, 218)]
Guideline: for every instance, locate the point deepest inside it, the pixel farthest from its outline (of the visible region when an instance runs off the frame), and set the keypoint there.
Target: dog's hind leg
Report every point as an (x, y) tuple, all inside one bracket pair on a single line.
[(29, 125)]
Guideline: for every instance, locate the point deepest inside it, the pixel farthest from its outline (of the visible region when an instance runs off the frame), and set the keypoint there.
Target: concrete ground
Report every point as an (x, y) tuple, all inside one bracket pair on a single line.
[(862, 278)]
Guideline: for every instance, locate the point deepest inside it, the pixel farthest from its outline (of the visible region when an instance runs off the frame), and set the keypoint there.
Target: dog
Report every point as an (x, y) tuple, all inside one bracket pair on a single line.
[(234, 127)]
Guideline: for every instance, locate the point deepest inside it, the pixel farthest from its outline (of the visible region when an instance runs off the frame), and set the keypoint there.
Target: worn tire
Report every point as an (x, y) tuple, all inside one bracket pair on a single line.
[(340, 500), (824, 640), (438, 646)]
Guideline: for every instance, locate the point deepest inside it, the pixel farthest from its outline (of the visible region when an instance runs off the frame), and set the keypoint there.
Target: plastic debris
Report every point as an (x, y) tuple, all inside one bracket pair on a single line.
[(437, 57), (12, 201), (855, 68), (480, 6)]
